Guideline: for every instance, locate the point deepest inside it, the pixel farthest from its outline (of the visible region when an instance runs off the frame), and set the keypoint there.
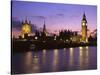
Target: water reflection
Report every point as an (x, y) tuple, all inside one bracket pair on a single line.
[(87, 47), (44, 51), (27, 62), (44, 56), (87, 56), (83, 57), (55, 59), (31, 62), (35, 65), (64, 54), (71, 57), (28, 58)]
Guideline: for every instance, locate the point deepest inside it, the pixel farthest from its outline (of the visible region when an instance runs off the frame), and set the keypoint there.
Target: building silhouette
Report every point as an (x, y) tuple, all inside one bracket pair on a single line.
[(44, 32), (84, 29), (64, 35)]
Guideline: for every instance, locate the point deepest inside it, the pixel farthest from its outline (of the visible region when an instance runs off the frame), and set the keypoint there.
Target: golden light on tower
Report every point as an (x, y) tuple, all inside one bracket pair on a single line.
[(84, 29), (26, 29)]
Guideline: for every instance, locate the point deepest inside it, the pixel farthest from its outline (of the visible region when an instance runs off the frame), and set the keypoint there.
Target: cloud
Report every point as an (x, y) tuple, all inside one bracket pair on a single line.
[(49, 16), (39, 17), (60, 14)]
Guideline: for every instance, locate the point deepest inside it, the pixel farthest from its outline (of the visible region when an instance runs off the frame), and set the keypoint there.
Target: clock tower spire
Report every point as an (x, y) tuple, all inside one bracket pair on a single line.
[(84, 29)]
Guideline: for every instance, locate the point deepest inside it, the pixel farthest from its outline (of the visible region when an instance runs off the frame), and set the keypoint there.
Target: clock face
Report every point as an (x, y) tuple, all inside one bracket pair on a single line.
[(83, 24)]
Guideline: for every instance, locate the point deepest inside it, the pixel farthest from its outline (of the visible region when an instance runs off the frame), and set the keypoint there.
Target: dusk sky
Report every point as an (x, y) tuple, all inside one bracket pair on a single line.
[(57, 16)]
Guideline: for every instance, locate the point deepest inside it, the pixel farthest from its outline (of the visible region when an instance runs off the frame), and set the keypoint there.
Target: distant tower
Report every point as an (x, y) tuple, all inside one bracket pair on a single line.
[(26, 29), (84, 29), (44, 30)]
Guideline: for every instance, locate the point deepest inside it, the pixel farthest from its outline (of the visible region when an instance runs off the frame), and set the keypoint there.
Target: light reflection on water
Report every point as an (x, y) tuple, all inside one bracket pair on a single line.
[(35, 66), (55, 60), (44, 56), (83, 57), (71, 60)]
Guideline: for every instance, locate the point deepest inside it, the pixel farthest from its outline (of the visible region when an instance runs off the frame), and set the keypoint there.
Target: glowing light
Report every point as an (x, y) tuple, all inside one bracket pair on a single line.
[(71, 56), (26, 28), (35, 56), (55, 59), (28, 34), (36, 38), (80, 48), (44, 51), (83, 24), (86, 40), (22, 36), (55, 37), (66, 39), (71, 48), (56, 51), (71, 51), (81, 51), (71, 38), (87, 47)]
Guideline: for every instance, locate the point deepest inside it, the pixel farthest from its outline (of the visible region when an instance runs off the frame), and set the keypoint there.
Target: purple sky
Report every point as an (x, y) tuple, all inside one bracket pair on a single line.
[(57, 16)]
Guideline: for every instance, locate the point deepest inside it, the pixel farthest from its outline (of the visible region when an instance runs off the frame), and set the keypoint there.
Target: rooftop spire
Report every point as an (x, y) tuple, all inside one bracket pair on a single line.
[(22, 22), (44, 27), (44, 22), (84, 17), (29, 22), (26, 21)]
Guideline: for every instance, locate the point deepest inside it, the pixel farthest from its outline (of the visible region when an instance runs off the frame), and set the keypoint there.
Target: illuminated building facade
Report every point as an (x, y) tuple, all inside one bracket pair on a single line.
[(26, 29), (84, 29)]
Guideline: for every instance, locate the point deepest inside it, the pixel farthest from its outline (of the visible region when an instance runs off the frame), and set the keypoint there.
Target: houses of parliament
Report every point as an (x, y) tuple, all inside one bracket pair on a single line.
[(26, 31)]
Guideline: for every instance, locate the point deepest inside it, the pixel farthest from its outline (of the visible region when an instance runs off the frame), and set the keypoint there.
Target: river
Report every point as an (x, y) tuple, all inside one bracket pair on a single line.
[(54, 60)]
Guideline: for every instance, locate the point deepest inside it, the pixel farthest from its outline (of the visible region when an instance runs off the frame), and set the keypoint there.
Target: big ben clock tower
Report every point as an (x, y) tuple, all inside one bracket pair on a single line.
[(84, 29)]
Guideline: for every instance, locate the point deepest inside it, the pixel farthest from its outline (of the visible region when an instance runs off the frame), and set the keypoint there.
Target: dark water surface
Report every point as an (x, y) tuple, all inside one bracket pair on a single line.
[(67, 59)]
